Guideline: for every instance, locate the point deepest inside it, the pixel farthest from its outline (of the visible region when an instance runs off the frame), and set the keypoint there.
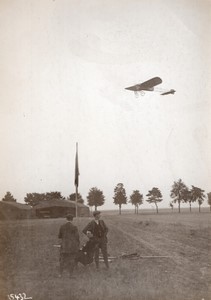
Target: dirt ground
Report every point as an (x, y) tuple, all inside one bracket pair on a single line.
[(174, 262)]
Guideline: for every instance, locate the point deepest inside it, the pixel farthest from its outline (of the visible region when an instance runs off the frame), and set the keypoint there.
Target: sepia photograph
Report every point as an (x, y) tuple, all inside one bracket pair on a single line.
[(105, 177)]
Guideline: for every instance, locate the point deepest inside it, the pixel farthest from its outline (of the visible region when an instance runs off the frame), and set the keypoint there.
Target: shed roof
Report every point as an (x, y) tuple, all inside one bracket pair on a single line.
[(58, 203), (15, 204)]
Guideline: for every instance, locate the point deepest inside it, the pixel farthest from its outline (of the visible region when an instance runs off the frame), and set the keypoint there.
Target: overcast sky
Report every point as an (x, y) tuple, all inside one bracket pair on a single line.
[(64, 65)]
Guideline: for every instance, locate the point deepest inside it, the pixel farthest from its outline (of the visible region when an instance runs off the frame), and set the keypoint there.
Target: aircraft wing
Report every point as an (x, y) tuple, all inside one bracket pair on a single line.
[(146, 85), (169, 92)]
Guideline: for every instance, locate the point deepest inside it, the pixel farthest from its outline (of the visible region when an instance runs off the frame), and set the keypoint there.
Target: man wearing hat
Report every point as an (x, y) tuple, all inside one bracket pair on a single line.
[(99, 230), (69, 236)]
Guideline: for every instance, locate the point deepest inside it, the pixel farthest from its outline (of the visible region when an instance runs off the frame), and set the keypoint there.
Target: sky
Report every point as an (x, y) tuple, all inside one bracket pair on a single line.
[(64, 66)]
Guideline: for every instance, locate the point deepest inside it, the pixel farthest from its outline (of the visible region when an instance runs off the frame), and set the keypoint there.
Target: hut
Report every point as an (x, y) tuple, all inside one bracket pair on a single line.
[(14, 210), (56, 208)]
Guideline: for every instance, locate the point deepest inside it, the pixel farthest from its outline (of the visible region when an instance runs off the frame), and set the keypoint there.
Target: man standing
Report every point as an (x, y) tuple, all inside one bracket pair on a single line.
[(99, 230), (69, 236)]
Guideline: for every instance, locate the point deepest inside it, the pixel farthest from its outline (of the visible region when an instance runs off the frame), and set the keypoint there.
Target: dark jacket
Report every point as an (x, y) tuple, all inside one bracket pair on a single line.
[(86, 254), (69, 235), (92, 227)]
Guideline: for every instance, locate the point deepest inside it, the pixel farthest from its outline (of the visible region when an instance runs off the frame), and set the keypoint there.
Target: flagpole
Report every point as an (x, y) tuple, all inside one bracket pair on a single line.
[(76, 181), (76, 201)]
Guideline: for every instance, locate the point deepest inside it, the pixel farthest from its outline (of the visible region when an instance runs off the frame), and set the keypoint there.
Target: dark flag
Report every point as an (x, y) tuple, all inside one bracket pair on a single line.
[(76, 167)]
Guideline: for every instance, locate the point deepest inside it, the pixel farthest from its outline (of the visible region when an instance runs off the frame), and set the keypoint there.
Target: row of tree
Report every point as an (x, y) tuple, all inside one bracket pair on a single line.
[(33, 199), (179, 193)]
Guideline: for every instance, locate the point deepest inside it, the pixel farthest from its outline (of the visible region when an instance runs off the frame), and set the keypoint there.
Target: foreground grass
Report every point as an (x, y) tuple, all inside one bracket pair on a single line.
[(30, 262)]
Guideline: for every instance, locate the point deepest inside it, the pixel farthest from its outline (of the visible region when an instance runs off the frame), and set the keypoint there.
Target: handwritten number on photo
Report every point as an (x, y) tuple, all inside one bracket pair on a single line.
[(20, 296)]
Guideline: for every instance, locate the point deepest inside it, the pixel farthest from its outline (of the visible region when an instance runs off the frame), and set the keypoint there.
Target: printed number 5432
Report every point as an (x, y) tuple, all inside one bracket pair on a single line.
[(20, 296)]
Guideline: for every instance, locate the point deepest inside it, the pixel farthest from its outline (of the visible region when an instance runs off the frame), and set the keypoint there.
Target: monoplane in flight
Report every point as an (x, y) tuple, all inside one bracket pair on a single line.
[(149, 86)]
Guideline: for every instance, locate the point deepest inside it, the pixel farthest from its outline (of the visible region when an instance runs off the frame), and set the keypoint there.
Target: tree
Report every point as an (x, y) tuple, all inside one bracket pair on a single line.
[(120, 196), (187, 195), (95, 197), (72, 197), (33, 199), (154, 196), (9, 197), (209, 200), (198, 195), (54, 195), (178, 192), (136, 199)]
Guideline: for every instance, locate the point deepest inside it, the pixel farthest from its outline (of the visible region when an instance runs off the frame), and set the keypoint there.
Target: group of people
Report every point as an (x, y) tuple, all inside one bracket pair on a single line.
[(70, 252)]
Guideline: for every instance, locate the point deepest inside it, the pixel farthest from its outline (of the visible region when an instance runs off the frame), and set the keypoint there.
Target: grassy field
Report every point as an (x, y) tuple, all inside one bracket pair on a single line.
[(29, 262)]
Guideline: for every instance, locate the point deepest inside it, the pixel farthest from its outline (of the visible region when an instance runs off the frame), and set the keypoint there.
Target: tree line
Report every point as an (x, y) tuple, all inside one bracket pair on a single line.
[(180, 193), (33, 199)]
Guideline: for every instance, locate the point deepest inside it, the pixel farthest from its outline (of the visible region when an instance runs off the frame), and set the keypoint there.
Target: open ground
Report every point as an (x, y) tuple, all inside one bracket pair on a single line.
[(175, 259)]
